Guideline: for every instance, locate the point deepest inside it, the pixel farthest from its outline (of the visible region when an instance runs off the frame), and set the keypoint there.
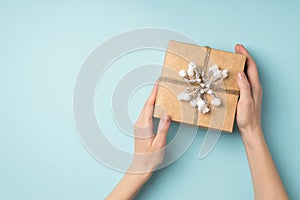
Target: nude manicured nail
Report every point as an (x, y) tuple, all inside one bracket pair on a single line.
[(166, 117), (241, 75)]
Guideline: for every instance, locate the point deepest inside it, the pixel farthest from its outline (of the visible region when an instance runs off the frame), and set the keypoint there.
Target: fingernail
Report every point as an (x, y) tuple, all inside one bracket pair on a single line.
[(166, 117), (241, 75)]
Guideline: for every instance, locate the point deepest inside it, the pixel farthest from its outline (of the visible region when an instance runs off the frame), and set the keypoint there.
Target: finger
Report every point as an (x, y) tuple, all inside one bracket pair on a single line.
[(162, 122), (163, 127), (152, 96), (240, 49), (252, 71), (245, 90), (145, 116)]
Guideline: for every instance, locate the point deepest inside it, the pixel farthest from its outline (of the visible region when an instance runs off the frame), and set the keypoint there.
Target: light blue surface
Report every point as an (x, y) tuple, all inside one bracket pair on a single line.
[(42, 46)]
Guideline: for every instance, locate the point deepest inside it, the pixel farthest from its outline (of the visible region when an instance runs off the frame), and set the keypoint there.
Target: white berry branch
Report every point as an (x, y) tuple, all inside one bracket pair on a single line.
[(202, 81)]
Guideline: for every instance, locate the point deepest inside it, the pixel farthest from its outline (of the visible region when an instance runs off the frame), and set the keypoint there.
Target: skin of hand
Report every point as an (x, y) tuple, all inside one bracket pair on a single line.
[(265, 178), (148, 146), (148, 151)]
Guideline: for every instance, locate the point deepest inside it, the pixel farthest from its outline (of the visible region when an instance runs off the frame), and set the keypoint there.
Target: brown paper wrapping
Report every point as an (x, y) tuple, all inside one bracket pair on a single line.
[(177, 57)]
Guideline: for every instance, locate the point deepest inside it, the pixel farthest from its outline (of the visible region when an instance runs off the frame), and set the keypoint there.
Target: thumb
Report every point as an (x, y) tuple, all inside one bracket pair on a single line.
[(162, 130), (244, 86)]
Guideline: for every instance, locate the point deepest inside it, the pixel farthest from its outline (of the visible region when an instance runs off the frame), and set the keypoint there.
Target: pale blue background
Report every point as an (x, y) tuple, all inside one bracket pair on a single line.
[(42, 46)]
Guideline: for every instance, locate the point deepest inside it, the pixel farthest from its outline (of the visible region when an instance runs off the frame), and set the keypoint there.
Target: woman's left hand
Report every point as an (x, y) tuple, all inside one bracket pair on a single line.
[(148, 151), (148, 146)]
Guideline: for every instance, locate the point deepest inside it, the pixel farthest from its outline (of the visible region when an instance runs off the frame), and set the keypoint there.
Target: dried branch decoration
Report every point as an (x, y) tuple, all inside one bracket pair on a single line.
[(202, 82)]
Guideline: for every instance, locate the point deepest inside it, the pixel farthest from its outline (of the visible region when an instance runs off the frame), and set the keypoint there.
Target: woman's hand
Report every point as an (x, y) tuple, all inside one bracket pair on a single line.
[(265, 178), (249, 106), (149, 147), (148, 151)]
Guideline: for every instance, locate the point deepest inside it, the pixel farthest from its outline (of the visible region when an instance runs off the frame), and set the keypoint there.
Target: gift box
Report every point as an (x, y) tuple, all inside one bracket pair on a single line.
[(198, 86)]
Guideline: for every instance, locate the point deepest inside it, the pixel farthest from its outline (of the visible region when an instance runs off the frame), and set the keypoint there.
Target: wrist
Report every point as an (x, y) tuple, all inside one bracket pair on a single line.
[(252, 136), (138, 173), (137, 179)]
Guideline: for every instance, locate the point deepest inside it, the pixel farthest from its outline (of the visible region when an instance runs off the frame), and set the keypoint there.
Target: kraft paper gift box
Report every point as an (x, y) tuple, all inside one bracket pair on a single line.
[(178, 56)]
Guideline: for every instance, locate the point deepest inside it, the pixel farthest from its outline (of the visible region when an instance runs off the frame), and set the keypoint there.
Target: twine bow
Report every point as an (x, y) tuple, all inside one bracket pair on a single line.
[(202, 82)]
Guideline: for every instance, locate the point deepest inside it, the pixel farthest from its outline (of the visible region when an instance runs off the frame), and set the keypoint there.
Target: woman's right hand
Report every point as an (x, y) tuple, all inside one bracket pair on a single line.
[(265, 177), (249, 106)]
